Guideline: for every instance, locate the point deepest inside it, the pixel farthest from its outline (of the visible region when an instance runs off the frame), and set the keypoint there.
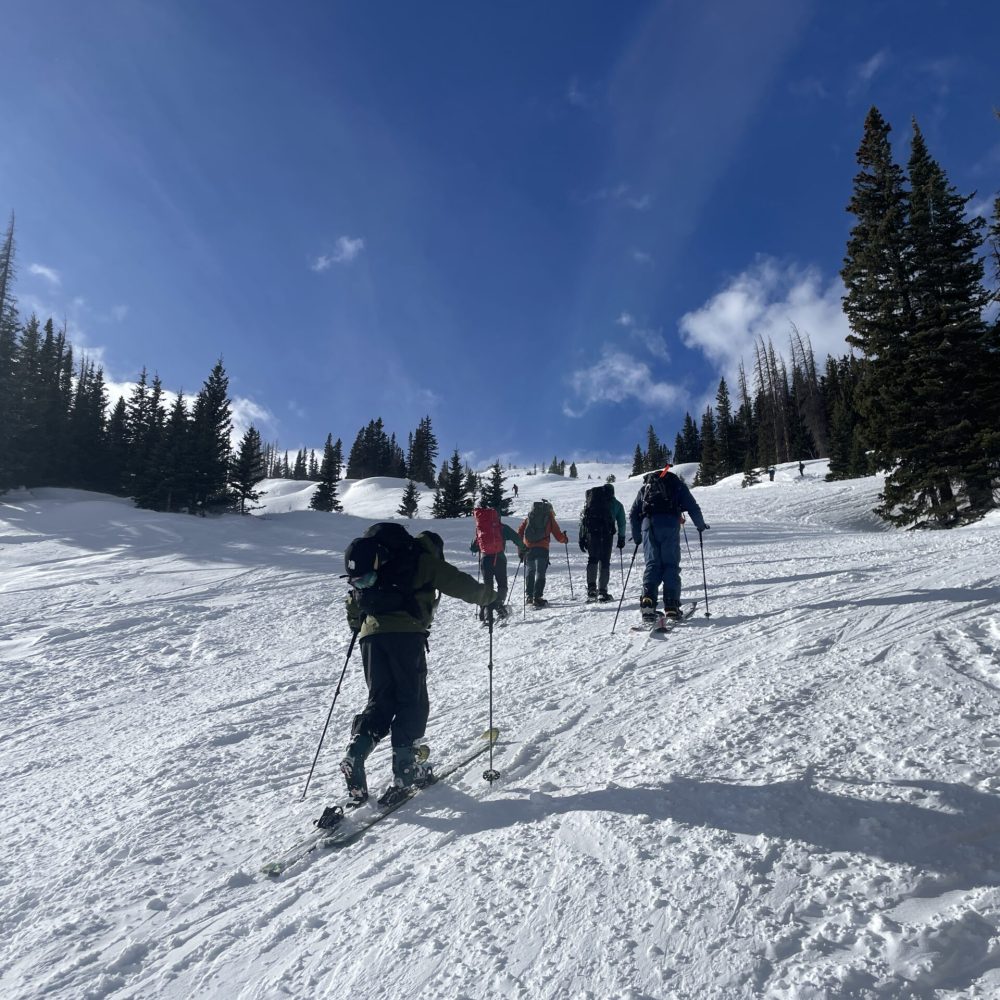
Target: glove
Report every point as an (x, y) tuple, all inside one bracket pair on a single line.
[(621, 541), (636, 541), (473, 547), (583, 547), (700, 530)]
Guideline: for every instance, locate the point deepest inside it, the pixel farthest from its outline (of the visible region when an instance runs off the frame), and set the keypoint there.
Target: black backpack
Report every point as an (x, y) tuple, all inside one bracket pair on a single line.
[(382, 567), (661, 495), (598, 517)]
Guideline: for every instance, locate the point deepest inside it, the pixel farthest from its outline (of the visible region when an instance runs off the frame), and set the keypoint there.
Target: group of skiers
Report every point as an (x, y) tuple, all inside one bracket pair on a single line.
[(396, 581)]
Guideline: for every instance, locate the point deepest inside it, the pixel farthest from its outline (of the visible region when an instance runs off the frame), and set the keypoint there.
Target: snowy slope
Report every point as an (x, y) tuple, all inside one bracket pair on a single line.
[(798, 797)]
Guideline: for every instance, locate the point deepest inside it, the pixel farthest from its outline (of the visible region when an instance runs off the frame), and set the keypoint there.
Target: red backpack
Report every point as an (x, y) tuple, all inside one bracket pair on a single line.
[(489, 534)]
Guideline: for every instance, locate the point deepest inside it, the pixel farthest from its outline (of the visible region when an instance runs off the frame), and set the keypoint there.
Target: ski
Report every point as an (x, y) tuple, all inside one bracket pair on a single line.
[(344, 825), (663, 625)]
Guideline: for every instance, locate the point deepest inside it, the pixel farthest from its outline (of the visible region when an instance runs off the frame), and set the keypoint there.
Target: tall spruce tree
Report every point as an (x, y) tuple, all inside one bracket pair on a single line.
[(247, 470), (451, 499), (941, 473), (708, 468), (325, 497), (877, 273), (211, 426), (173, 460)]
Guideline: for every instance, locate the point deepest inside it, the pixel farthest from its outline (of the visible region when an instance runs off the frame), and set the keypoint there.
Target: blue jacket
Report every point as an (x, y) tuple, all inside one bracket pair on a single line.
[(681, 496)]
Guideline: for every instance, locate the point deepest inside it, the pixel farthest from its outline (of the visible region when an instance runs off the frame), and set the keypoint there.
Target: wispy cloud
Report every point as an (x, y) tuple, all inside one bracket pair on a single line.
[(641, 257), (864, 73), (345, 250), (809, 87), (118, 313), (620, 194), (625, 319), (983, 207), (616, 378), (576, 95), (765, 300), (247, 411), (51, 275)]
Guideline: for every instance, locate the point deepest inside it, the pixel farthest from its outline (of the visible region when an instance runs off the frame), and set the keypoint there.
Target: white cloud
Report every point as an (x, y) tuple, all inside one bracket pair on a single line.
[(246, 412), (983, 208), (345, 250), (625, 319), (575, 94), (118, 313), (621, 194), (765, 300), (866, 72), (616, 378), (48, 273), (641, 257)]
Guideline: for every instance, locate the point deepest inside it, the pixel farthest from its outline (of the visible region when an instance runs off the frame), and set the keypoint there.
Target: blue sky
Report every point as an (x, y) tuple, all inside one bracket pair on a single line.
[(546, 225)]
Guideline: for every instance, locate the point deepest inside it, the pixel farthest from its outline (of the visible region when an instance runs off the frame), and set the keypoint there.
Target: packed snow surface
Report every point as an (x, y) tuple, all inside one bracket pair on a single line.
[(797, 797)]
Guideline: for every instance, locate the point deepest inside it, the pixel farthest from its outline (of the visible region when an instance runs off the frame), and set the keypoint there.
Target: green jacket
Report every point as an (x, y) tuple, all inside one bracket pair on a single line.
[(509, 535), (433, 575), (617, 511)]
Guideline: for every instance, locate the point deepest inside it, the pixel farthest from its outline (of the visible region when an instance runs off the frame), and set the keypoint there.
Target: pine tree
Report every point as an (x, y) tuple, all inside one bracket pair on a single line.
[(493, 493), (725, 433), (877, 274), (451, 500), (9, 394), (173, 460), (708, 469), (247, 470), (422, 455), (410, 501), (470, 489), (85, 435), (692, 441), (637, 462), (573, 473), (211, 424), (116, 450), (325, 497)]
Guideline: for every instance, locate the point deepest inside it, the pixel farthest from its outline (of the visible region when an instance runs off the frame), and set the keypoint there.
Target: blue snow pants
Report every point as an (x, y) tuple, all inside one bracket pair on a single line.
[(661, 548)]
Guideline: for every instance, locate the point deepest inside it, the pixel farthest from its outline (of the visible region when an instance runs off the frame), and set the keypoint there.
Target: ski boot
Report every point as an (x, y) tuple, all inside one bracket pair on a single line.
[(647, 608), (352, 767), (604, 597), (591, 595)]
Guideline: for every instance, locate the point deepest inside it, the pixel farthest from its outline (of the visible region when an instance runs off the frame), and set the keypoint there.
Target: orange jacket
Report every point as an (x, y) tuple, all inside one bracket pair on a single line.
[(553, 529)]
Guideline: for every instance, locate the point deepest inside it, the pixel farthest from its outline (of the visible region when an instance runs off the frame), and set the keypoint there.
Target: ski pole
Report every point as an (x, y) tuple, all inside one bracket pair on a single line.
[(621, 566), (524, 592), (479, 573), (570, 572), (627, 578), (704, 579), (489, 774), (514, 582), (686, 542), (329, 715)]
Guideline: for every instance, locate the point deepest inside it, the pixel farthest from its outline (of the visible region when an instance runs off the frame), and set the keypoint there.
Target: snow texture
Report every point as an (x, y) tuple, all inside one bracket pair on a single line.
[(798, 797)]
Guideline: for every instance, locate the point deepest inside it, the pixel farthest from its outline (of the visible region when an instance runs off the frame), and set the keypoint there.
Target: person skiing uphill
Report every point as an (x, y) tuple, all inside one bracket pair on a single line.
[(655, 518), (491, 540), (602, 514), (395, 581), (535, 530)]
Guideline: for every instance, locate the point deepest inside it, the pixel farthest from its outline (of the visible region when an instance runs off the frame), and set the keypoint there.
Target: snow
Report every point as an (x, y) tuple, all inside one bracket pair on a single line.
[(798, 797)]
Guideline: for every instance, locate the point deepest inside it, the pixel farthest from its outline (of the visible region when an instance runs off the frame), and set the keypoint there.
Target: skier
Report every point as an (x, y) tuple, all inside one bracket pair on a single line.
[(491, 540), (770, 473), (656, 523), (514, 488), (602, 514), (395, 580), (535, 531), (802, 469)]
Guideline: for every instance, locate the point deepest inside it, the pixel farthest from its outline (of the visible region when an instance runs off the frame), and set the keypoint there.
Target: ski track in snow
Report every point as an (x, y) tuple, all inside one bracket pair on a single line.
[(797, 797)]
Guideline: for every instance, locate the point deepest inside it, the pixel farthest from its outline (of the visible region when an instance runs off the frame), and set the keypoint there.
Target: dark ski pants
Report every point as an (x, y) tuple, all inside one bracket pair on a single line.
[(661, 548), (495, 574), (396, 675), (598, 563), (536, 562)]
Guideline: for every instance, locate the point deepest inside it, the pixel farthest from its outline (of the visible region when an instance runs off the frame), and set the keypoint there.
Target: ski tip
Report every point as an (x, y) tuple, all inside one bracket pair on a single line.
[(491, 734), (272, 870)]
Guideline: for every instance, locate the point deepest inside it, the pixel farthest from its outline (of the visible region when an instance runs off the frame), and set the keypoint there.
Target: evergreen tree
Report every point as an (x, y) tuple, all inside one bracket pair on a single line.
[(9, 396), (951, 360), (85, 435), (211, 424), (300, 472), (573, 473), (637, 462), (751, 475), (451, 500), (116, 450), (877, 274), (422, 455), (325, 497), (247, 470), (692, 441), (173, 460), (725, 434), (493, 493), (470, 489), (313, 466), (410, 500), (708, 469)]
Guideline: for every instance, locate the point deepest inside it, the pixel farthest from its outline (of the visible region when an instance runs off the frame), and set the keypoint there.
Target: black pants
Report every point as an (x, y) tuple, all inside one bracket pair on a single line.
[(495, 574), (396, 675), (598, 562)]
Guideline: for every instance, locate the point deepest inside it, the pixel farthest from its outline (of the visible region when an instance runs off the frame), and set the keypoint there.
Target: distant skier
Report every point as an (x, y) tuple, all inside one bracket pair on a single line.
[(491, 540), (770, 473), (802, 469), (601, 516), (655, 518), (394, 581), (536, 529), (514, 488)]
